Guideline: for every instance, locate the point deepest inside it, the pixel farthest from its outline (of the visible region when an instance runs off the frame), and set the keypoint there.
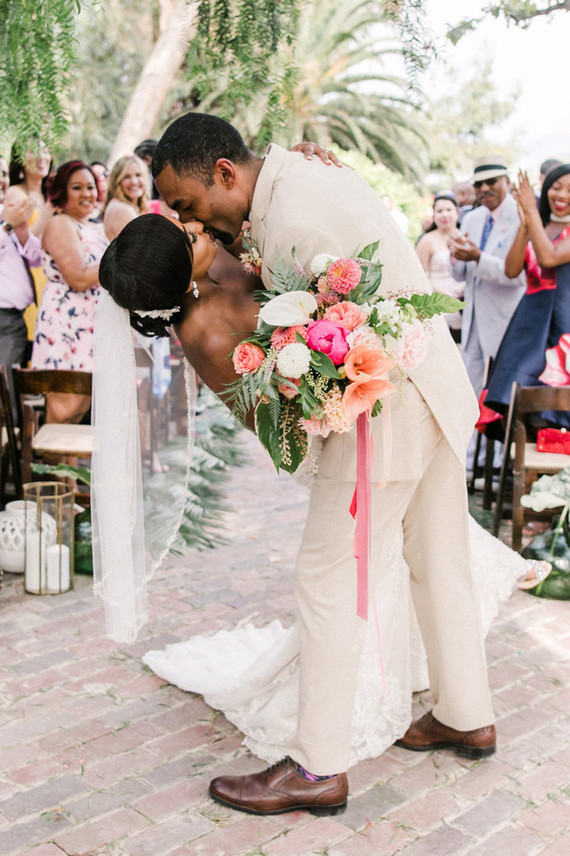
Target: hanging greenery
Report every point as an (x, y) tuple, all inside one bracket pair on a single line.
[(38, 52)]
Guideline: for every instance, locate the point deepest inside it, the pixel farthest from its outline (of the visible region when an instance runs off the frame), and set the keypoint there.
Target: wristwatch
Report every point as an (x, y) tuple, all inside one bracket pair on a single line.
[(7, 226)]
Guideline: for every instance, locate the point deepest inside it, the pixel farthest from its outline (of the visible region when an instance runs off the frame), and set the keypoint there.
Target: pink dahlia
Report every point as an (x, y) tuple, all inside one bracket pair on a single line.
[(282, 336), (343, 275)]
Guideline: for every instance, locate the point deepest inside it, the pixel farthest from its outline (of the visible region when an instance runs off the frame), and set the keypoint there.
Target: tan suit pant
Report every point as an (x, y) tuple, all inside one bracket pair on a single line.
[(432, 511)]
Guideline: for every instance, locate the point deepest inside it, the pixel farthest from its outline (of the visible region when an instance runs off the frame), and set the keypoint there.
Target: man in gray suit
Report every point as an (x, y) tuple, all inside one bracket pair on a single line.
[(478, 258), (204, 171)]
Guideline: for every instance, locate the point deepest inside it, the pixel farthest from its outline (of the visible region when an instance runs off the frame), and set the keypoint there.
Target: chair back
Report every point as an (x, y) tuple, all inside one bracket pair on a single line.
[(40, 440)]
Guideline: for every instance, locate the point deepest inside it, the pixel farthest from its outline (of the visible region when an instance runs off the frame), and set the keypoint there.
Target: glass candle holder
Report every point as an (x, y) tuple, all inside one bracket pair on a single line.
[(49, 537)]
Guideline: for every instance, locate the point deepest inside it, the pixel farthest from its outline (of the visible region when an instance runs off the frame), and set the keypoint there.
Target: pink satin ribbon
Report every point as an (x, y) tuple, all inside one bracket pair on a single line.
[(361, 510)]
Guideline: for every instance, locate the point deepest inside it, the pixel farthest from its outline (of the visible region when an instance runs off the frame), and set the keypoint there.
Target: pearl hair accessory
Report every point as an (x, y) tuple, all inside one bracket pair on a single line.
[(165, 314)]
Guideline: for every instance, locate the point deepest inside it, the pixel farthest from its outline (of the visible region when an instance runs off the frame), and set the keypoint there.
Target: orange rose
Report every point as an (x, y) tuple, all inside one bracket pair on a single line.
[(363, 363)]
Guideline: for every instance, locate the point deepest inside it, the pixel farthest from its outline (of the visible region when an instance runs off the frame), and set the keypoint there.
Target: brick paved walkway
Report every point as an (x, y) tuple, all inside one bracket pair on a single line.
[(99, 756)]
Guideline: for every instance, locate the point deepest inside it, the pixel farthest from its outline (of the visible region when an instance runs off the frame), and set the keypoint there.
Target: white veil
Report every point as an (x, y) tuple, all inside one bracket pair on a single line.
[(120, 570)]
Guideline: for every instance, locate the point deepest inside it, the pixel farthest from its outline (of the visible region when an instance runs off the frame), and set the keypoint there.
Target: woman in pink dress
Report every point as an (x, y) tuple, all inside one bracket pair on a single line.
[(433, 253), (71, 249)]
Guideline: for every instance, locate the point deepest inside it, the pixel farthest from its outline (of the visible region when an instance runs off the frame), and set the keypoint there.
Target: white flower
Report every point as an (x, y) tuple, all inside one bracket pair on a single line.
[(289, 309), (320, 263), (389, 312), (293, 360)]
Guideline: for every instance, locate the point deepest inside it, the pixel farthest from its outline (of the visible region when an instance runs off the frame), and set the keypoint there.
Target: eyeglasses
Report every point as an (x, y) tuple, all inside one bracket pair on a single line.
[(489, 181)]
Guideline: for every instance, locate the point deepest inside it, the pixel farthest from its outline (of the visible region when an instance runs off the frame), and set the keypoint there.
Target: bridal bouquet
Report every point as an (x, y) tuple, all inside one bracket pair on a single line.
[(325, 343)]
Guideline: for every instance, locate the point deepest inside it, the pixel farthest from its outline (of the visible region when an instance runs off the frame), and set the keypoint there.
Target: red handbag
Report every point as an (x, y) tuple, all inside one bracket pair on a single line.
[(555, 440)]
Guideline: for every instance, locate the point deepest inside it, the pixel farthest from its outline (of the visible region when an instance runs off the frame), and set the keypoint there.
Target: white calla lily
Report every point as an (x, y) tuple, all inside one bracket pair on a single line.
[(289, 309)]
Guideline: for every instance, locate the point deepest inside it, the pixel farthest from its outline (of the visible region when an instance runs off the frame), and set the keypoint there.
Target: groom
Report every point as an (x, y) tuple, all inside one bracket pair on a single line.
[(204, 171)]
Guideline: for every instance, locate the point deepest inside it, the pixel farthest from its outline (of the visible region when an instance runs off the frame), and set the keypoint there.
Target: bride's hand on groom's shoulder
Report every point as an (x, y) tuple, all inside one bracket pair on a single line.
[(308, 149)]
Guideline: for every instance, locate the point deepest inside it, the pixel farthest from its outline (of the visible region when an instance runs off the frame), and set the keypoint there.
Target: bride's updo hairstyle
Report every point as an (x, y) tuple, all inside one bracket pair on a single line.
[(148, 268)]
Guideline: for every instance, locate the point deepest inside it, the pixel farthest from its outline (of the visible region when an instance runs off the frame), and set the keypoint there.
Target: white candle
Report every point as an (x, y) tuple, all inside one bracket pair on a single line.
[(58, 568), (34, 576)]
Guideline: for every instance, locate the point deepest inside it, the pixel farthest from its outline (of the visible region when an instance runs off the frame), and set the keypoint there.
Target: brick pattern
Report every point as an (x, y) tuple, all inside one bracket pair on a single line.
[(99, 757)]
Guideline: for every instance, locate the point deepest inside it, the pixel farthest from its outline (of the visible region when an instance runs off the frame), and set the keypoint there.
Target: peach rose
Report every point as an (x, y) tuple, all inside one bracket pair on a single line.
[(363, 363), (247, 357), (347, 314)]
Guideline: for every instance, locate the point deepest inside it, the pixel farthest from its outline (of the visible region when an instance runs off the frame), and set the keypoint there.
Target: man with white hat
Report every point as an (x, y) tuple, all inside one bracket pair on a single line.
[(478, 257)]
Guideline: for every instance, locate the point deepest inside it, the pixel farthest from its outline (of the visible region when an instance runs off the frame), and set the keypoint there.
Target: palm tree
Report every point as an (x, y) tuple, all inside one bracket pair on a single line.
[(336, 85)]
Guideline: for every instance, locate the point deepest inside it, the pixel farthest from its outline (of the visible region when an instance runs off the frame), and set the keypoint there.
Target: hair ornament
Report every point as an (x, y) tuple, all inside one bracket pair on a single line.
[(165, 314)]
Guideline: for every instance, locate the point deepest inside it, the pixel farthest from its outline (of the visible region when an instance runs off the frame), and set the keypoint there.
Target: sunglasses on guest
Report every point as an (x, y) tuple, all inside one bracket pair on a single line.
[(489, 181)]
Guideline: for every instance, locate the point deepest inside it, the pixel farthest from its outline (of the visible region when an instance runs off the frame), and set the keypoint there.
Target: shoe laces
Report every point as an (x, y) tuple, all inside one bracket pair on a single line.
[(284, 762)]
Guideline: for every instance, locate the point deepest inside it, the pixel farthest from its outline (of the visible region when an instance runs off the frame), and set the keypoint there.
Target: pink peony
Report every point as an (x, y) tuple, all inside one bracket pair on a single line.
[(329, 338), (247, 357), (343, 275), (347, 314), (282, 336), (412, 349)]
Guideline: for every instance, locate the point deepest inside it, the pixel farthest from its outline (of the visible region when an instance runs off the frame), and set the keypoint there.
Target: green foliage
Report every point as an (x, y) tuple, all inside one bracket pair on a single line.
[(80, 474), (114, 38), (327, 81), (429, 305), (38, 51), (460, 121), (217, 449), (518, 12)]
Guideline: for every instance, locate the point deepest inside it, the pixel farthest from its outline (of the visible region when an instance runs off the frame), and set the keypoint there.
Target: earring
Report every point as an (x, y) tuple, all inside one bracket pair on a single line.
[(195, 290)]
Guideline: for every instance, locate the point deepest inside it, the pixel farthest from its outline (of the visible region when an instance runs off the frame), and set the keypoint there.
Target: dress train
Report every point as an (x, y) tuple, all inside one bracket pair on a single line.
[(251, 673)]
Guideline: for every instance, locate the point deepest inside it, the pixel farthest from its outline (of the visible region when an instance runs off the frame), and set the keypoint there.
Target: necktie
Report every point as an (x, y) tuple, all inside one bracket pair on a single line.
[(486, 231)]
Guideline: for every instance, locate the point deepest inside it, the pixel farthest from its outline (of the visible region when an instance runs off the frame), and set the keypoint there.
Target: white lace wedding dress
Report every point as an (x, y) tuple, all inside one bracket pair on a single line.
[(251, 673)]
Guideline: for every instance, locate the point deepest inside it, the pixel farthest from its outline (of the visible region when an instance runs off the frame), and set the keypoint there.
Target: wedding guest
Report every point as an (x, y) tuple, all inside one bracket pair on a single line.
[(542, 250), (464, 193), (478, 259), (128, 194), (433, 253), (30, 167), (101, 172), (545, 167), (204, 171), (72, 247), (19, 249)]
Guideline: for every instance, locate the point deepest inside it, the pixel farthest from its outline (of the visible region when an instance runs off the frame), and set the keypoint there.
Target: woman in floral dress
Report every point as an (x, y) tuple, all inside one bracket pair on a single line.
[(71, 250)]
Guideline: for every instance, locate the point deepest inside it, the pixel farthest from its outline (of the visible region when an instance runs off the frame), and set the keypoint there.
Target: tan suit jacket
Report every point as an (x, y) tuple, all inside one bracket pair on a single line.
[(314, 209)]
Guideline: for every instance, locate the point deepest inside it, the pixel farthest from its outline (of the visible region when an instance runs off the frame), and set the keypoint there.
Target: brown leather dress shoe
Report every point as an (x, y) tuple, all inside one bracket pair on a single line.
[(427, 733), (281, 788)]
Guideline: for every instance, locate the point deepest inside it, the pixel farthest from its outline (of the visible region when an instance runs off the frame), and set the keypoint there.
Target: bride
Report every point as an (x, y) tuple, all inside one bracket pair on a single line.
[(162, 275)]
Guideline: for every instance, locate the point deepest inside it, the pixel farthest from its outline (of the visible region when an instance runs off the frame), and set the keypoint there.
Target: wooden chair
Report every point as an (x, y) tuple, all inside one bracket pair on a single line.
[(521, 457), (9, 453), (52, 440)]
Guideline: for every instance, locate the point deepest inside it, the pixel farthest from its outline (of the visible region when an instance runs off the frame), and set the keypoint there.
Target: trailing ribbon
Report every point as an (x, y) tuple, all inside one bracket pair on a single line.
[(361, 510)]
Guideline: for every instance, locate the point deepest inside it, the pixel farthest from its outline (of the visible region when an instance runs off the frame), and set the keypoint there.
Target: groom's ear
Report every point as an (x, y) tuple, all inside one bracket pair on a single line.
[(225, 172)]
